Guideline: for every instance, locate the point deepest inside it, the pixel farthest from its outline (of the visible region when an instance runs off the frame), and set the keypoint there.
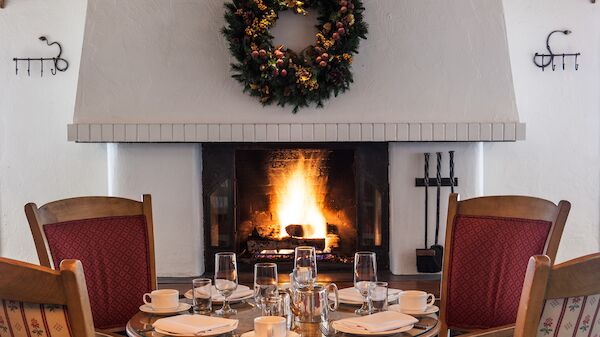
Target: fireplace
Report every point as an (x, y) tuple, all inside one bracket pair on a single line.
[(261, 200)]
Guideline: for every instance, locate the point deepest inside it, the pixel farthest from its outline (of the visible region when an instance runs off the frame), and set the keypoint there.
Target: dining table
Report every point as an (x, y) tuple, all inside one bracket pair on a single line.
[(140, 325)]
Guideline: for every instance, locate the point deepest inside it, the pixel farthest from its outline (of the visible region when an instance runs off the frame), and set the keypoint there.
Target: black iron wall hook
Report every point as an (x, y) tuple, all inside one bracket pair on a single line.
[(548, 59), (59, 63)]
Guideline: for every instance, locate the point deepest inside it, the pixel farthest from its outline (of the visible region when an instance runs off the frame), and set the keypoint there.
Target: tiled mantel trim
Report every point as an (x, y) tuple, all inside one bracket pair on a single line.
[(301, 132)]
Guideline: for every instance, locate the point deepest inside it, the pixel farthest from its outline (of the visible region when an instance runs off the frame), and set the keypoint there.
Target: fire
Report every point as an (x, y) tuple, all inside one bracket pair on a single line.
[(299, 194)]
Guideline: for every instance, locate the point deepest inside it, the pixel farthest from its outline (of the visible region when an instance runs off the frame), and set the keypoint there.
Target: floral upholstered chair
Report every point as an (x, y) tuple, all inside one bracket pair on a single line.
[(488, 243), (557, 301), (37, 301), (113, 239)]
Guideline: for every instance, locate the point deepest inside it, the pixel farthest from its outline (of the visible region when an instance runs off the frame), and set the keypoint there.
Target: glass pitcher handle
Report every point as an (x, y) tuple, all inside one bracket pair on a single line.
[(332, 287)]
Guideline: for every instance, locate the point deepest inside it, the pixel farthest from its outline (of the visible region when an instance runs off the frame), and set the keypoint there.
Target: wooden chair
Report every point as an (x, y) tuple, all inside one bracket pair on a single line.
[(39, 301), (488, 243), (113, 238), (561, 300)]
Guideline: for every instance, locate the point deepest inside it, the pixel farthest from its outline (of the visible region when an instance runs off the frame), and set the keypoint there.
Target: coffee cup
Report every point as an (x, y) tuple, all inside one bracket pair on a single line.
[(270, 326), (415, 300), (162, 299)]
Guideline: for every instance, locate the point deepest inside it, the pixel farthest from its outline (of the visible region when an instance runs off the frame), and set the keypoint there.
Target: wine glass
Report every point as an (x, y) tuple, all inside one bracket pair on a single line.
[(305, 266), (365, 274), (226, 280), (265, 282)]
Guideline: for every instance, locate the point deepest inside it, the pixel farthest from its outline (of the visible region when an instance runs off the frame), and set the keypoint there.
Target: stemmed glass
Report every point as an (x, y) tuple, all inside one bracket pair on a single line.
[(265, 282), (365, 274), (226, 280), (305, 266)]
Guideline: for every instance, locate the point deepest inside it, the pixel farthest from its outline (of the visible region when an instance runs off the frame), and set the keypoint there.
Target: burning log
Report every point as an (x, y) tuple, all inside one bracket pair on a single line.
[(296, 231), (255, 246)]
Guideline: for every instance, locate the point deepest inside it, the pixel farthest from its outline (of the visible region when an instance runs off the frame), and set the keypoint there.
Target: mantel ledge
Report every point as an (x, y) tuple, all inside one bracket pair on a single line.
[(296, 132)]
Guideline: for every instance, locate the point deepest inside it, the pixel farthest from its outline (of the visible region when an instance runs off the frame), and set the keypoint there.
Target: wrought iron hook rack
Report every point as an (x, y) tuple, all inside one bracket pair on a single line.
[(548, 59), (59, 63)]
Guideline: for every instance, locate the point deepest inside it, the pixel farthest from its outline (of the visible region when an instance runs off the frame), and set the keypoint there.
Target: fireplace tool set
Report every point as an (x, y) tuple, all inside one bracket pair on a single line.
[(430, 260)]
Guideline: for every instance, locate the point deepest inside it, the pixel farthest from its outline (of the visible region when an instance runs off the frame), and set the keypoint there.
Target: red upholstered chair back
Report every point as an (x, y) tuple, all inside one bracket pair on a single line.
[(38, 301), (115, 248), (489, 241)]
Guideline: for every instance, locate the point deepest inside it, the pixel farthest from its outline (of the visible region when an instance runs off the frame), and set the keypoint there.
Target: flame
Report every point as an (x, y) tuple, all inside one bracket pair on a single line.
[(299, 194)]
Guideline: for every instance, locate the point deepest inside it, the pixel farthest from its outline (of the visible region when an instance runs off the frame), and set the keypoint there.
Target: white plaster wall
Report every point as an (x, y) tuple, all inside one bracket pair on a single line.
[(172, 174), (407, 201), (36, 162), (423, 61), (561, 157)]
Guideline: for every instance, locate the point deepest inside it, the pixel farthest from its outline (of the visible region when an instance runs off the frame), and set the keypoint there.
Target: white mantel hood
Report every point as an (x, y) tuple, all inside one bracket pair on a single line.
[(431, 70)]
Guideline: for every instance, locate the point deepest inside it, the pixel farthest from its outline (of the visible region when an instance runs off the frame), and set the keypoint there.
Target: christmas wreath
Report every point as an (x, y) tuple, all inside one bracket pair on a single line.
[(281, 75)]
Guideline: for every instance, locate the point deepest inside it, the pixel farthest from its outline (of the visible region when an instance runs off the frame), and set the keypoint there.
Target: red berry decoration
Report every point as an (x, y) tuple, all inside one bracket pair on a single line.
[(341, 31), (283, 72), (343, 3), (339, 24), (275, 72), (325, 56), (262, 53), (280, 63), (319, 59), (255, 54), (323, 64), (336, 36), (343, 9)]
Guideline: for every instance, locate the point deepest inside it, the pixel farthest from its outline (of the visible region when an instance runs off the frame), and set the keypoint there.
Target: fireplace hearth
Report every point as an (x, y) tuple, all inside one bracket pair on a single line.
[(263, 200)]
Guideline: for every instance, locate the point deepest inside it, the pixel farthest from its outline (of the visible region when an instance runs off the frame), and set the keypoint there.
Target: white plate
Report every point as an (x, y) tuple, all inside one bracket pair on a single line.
[(432, 309), (289, 334), (363, 332), (391, 298), (214, 332), (148, 309), (189, 296)]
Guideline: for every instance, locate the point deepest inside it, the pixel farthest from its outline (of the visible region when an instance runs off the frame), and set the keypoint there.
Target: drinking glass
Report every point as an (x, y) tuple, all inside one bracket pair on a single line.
[(202, 292), (226, 280), (278, 305), (365, 273), (378, 297), (305, 266), (265, 281)]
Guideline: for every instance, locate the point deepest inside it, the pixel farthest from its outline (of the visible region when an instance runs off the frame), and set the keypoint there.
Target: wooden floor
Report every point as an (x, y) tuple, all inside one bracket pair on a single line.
[(426, 282)]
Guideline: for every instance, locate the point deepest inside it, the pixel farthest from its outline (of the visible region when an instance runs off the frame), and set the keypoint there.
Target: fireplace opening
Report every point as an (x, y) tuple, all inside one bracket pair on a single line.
[(263, 200)]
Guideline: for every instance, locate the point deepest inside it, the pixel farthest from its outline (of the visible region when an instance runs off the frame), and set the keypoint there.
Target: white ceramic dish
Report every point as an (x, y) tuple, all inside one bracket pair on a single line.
[(251, 334), (214, 332), (216, 298), (362, 332), (148, 309), (432, 309), (391, 297)]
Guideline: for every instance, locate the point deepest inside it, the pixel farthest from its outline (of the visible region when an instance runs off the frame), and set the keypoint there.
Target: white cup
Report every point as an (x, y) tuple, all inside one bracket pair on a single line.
[(415, 300), (162, 299), (270, 326)]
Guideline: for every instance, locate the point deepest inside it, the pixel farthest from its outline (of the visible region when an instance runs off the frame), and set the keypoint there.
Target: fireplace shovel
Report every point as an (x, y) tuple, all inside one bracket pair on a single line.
[(430, 260)]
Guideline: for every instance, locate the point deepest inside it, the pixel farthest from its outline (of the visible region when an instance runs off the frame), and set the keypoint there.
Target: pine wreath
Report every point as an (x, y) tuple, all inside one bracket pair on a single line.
[(279, 75)]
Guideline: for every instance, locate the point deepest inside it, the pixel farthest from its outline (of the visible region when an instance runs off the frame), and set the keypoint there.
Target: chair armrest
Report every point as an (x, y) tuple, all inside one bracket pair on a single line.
[(501, 331)]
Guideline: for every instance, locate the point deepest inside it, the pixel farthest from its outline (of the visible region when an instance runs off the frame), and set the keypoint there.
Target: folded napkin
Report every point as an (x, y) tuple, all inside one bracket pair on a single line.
[(192, 325), (379, 322), (353, 295)]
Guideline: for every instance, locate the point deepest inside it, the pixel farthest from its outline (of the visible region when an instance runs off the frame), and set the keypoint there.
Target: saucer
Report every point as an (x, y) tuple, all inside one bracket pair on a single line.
[(289, 334), (148, 309), (432, 309), (362, 332)]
